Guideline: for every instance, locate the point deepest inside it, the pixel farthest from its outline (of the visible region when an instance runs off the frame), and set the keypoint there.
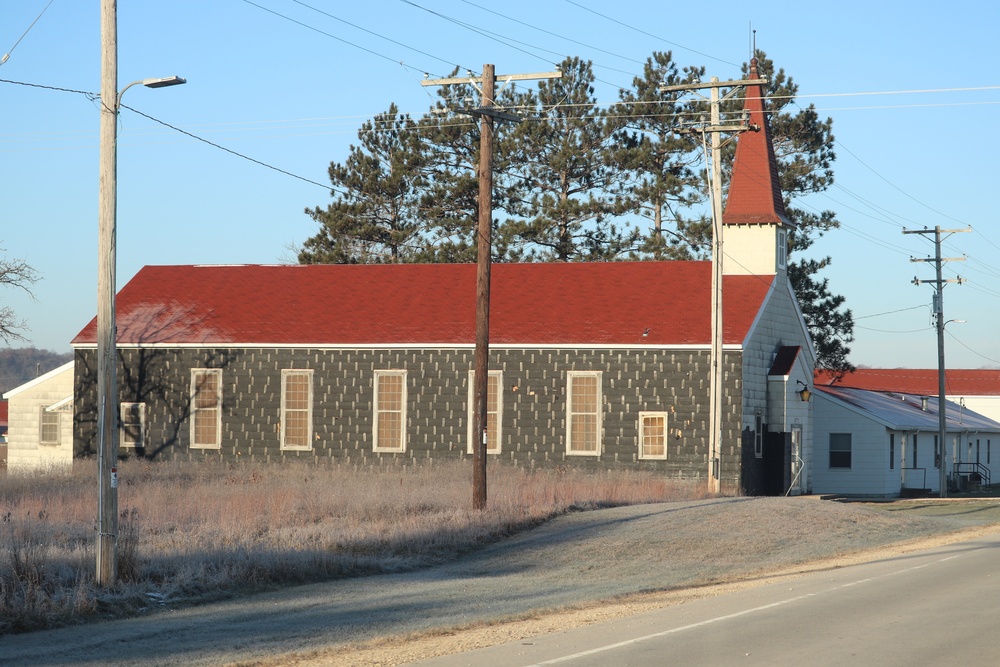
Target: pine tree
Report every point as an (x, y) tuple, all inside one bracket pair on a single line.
[(663, 184), (450, 201), (568, 207), (375, 216)]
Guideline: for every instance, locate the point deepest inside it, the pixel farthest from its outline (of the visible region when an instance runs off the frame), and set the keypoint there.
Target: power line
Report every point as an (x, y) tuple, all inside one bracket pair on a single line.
[(223, 148), (332, 36), (7, 55), (648, 34)]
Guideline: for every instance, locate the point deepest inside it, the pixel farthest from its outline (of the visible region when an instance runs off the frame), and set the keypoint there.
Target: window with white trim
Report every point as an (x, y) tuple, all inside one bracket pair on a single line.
[(133, 425), (296, 408), (389, 429), (583, 413), (652, 435), (49, 427), (206, 408), (494, 411)]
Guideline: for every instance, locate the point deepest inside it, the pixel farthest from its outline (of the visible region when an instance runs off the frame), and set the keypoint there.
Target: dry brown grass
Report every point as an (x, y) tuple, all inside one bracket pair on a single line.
[(191, 532)]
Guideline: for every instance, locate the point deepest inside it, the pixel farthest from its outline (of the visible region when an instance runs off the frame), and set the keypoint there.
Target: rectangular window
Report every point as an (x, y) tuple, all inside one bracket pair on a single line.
[(652, 435), (782, 249), (494, 411), (206, 408), (892, 451), (296, 409), (914, 463), (49, 427), (390, 411), (840, 450), (937, 453), (977, 451), (758, 436), (133, 425), (583, 413)]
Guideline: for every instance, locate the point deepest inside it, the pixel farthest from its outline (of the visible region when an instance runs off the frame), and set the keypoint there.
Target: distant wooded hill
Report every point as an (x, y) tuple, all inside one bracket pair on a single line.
[(21, 365)]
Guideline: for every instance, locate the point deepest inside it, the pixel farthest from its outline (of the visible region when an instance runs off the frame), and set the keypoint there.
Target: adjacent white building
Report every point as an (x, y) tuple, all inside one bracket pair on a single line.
[(40, 416), (884, 444)]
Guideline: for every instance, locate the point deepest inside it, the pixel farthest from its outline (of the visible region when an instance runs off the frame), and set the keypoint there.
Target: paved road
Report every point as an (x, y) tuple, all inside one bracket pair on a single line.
[(933, 607)]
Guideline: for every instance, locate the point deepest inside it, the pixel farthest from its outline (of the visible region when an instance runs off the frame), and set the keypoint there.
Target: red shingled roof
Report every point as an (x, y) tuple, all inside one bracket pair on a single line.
[(920, 381), (531, 304), (754, 191)]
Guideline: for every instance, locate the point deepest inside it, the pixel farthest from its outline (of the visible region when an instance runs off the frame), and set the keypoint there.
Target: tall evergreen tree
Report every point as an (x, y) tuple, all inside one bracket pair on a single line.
[(450, 201), (662, 183), (375, 215), (558, 153)]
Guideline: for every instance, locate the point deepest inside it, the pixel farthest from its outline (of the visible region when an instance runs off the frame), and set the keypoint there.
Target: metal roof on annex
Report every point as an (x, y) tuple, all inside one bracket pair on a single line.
[(907, 412)]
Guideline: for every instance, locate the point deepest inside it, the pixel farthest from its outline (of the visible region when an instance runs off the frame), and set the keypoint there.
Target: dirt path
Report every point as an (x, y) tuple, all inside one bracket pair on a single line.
[(639, 558)]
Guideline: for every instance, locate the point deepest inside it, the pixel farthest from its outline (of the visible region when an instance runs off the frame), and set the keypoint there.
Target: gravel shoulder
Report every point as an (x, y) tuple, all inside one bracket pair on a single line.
[(579, 568)]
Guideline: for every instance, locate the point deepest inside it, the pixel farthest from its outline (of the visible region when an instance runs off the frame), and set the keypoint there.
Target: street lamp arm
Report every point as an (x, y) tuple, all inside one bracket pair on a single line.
[(154, 82)]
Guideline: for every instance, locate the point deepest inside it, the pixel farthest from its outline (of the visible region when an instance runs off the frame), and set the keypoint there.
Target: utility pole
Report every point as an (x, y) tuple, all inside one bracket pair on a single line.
[(107, 392), (715, 129), (486, 85), (938, 308)]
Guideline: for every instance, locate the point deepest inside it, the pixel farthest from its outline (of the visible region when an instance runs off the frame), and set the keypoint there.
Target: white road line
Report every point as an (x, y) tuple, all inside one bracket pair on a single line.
[(718, 619)]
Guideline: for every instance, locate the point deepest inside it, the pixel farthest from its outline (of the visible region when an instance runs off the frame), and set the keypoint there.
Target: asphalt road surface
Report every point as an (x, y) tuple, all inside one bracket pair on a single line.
[(933, 607)]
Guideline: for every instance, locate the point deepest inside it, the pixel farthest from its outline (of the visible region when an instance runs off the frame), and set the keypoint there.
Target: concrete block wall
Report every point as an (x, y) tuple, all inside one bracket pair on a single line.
[(534, 415)]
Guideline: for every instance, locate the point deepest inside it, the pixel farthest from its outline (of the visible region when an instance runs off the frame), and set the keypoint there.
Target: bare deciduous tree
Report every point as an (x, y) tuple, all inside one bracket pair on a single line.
[(20, 274)]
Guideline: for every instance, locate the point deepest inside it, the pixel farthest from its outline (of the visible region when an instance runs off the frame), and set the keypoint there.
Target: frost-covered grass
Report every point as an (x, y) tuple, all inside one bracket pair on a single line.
[(195, 531)]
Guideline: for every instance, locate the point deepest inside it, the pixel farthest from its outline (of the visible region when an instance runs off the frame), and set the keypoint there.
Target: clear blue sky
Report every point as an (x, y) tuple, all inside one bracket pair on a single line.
[(913, 94)]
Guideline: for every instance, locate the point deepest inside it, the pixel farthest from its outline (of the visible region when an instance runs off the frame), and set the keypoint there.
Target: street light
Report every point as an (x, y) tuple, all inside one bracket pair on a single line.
[(155, 82), (107, 390)]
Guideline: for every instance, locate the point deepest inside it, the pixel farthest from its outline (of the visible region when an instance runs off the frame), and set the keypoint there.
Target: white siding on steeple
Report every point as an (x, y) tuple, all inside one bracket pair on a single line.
[(756, 250)]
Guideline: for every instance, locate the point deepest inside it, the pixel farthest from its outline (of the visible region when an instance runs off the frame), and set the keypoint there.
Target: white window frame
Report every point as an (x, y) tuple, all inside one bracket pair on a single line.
[(44, 414), (494, 436), (643, 416), (782, 249), (571, 376), (123, 439), (285, 374), (377, 411), (195, 374)]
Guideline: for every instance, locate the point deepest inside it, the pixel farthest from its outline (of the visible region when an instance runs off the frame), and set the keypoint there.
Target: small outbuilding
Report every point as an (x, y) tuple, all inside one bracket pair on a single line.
[(40, 422), (886, 444)]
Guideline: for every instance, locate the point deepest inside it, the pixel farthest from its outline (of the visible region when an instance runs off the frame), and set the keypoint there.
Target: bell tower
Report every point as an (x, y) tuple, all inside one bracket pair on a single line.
[(756, 225)]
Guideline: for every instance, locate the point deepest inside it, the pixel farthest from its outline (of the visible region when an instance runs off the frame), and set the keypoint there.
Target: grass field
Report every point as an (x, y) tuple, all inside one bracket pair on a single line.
[(190, 532)]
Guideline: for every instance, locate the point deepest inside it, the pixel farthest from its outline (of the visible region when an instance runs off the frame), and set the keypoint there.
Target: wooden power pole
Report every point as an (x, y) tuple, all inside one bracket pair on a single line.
[(939, 283), (107, 392), (487, 113), (715, 128)]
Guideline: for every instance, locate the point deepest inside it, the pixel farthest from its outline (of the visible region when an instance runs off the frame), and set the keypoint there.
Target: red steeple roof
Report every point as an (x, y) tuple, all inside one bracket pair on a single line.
[(754, 191)]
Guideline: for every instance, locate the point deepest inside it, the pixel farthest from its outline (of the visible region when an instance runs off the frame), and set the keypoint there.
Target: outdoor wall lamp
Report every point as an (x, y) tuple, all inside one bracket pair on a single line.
[(804, 393)]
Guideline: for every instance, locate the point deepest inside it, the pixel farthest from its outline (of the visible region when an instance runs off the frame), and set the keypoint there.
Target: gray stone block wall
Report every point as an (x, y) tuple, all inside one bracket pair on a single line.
[(534, 416)]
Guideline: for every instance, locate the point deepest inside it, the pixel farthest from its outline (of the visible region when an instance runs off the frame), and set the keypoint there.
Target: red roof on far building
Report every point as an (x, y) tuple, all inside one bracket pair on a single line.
[(920, 381), (615, 303)]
